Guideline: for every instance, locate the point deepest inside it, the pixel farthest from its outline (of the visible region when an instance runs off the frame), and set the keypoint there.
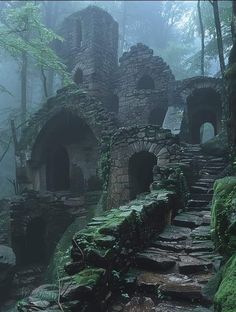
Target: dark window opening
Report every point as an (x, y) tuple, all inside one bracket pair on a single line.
[(58, 170), (35, 243), (146, 82), (157, 116), (78, 76), (141, 172)]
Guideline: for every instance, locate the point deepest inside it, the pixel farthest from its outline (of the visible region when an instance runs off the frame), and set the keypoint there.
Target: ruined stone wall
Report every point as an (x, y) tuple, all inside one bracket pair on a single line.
[(189, 88), (54, 214), (90, 50), (136, 104), (70, 105), (129, 141)]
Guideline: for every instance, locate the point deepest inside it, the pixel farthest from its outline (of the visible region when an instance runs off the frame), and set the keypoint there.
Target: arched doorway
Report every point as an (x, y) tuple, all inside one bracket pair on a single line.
[(207, 132), (78, 77), (66, 153), (203, 107), (35, 244), (141, 172), (58, 170), (145, 82)]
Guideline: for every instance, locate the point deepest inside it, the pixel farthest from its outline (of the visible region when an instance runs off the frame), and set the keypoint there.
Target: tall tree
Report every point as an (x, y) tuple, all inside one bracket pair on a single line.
[(215, 6), (202, 38)]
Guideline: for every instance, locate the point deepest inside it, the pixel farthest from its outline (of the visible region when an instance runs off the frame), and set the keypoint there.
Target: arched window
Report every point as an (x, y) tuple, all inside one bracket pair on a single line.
[(78, 76), (141, 172), (146, 82)]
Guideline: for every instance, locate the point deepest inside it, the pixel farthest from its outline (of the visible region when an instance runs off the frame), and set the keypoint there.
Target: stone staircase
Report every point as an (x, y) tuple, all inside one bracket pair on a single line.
[(173, 270)]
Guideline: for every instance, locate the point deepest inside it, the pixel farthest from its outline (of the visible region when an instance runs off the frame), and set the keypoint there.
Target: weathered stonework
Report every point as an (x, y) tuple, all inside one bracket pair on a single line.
[(71, 119), (90, 51), (140, 102), (128, 142)]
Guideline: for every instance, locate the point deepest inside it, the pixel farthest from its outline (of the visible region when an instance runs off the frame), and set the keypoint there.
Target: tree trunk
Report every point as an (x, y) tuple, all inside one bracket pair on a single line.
[(202, 39), (219, 35), (24, 68), (123, 32)]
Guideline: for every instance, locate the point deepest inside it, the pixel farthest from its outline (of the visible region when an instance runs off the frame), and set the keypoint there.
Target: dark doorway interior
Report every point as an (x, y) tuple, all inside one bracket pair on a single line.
[(58, 170), (141, 172), (35, 241), (157, 116)]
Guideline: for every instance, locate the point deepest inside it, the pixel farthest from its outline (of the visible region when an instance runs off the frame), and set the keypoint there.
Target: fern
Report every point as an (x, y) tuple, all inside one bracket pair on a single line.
[(47, 292)]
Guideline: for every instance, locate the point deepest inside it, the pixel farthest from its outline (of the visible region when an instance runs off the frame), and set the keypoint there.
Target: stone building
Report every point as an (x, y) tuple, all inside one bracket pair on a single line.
[(117, 119)]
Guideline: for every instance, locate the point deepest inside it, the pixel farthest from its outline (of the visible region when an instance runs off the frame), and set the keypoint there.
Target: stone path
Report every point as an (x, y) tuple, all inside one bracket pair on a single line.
[(173, 270)]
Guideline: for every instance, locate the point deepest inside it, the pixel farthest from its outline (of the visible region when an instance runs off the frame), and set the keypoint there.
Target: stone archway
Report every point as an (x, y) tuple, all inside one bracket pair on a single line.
[(203, 106), (141, 172), (67, 154)]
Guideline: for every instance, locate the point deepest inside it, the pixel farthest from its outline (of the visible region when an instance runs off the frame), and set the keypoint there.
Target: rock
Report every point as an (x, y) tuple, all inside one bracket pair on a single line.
[(173, 232), (188, 291), (202, 232), (187, 220), (173, 307), (154, 261), (7, 266), (140, 304), (190, 265)]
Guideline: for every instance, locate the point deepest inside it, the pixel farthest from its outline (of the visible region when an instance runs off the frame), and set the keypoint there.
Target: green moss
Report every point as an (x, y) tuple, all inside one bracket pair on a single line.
[(89, 277), (225, 298), (223, 215), (217, 146), (231, 72)]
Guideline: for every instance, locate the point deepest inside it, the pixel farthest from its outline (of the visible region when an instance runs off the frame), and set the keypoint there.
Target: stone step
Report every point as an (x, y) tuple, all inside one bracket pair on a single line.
[(174, 285), (187, 219), (178, 246), (199, 189), (197, 203), (191, 265), (179, 307), (155, 261), (196, 209), (203, 231), (202, 196), (203, 184), (174, 233)]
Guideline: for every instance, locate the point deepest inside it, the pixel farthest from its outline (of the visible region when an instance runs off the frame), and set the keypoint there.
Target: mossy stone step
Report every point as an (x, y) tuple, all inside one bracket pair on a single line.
[(154, 261), (203, 231), (186, 219), (190, 265), (174, 233)]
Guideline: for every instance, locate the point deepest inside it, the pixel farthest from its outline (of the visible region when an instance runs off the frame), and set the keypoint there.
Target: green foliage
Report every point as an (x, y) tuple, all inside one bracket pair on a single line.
[(225, 298), (223, 215), (46, 292), (104, 163), (22, 31)]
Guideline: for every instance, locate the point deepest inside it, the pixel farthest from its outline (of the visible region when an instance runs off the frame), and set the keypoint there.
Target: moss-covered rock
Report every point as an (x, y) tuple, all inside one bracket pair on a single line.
[(225, 298), (224, 215), (217, 146)]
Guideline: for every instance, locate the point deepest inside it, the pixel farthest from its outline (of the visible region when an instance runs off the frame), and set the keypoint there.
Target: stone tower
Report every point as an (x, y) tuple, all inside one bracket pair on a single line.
[(90, 50)]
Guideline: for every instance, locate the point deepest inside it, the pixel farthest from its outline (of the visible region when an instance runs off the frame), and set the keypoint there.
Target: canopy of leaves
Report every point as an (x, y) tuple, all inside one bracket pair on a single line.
[(21, 30)]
